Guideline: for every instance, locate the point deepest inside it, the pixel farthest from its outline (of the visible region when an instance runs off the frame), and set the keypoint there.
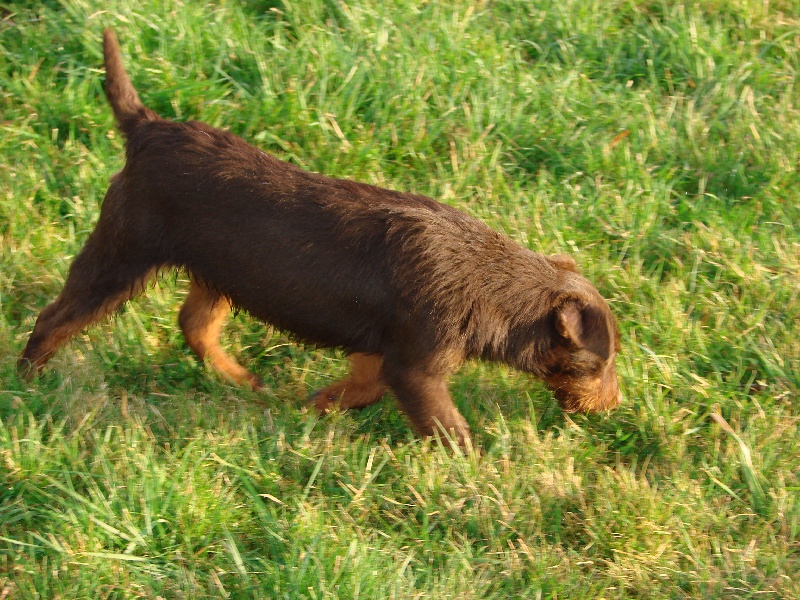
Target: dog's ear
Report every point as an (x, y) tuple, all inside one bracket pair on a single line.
[(586, 326), (563, 261)]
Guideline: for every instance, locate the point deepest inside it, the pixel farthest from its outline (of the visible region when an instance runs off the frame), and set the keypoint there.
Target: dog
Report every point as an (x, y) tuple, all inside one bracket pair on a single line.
[(408, 287)]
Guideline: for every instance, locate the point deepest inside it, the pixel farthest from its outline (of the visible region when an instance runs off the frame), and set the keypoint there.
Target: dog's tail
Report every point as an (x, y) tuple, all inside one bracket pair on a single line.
[(121, 94)]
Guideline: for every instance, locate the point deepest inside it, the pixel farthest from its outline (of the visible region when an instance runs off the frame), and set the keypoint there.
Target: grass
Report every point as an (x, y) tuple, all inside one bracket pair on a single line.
[(657, 142)]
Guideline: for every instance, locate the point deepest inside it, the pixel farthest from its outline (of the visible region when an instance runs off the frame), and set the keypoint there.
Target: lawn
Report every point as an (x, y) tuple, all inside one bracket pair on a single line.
[(657, 142)]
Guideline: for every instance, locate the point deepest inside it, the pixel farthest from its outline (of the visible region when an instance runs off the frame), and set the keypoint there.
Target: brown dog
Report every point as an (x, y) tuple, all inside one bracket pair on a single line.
[(409, 287)]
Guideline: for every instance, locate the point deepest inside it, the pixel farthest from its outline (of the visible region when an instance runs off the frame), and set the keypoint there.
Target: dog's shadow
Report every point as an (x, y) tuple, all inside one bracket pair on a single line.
[(169, 382)]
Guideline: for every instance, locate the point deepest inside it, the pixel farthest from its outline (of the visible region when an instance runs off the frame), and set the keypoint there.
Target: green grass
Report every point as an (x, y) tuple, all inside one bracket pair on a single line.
[(658, 142)]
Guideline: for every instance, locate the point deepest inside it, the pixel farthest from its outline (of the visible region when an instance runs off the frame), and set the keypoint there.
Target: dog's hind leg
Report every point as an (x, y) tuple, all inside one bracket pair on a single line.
[(362, 386), (201, 318), (103, 276)]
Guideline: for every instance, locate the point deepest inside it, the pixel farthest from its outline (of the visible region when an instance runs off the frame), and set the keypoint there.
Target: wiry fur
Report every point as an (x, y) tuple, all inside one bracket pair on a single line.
[(406, 285)]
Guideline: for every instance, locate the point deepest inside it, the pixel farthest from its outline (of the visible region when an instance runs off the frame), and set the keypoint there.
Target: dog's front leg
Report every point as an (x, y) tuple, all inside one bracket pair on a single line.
[(424, 397), (363, 385)]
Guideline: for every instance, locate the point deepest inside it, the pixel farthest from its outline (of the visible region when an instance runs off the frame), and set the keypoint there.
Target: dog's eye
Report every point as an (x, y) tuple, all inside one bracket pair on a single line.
[(560, 370)]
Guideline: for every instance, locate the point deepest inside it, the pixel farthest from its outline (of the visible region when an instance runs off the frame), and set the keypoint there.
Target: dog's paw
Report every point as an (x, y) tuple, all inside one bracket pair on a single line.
[(255, 382), (322, 400)]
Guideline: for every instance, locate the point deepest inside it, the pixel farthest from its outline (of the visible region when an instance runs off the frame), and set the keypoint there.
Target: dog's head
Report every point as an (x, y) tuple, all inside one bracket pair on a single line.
[(580, 366)]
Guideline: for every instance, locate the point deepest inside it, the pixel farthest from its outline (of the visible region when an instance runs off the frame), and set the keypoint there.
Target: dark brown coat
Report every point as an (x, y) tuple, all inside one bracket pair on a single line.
[(408, 286)]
